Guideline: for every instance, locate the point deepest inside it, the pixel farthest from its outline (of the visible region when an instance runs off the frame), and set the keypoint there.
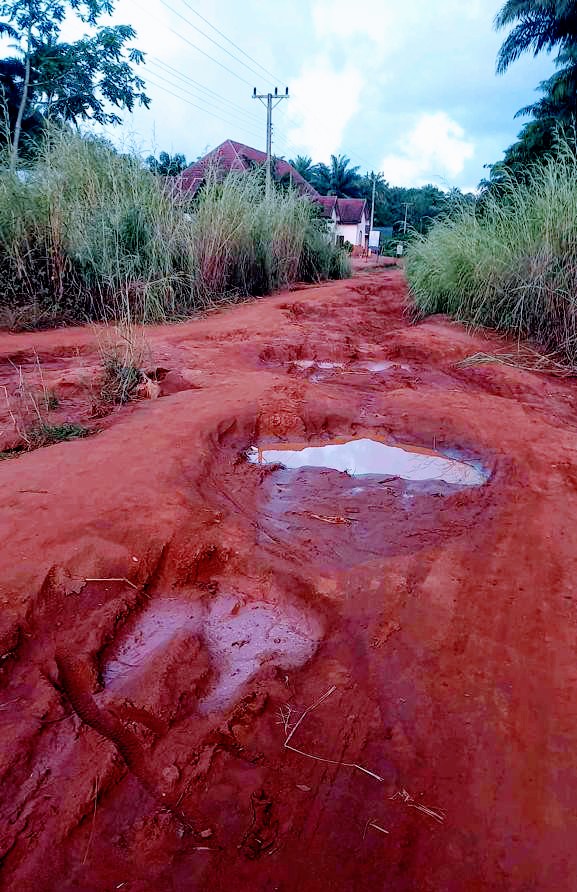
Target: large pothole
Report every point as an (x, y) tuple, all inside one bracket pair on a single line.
[(344, 501), (237, 635), (366, 457)]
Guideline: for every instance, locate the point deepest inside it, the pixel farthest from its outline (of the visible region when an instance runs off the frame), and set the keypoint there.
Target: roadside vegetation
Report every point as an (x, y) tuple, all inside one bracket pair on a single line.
[(87, 233), (509, 259)]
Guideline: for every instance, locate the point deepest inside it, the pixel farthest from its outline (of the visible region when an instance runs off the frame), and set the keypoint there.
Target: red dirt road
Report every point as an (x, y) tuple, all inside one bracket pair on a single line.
[(143, 722)]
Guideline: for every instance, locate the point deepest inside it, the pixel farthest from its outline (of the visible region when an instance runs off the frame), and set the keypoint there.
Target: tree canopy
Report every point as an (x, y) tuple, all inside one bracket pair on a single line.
[(540, 26), (49, 79), (338, 178), (167, 165)]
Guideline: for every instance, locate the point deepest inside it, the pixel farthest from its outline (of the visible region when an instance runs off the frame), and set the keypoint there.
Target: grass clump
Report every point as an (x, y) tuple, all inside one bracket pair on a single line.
[(510, 261), (45, 435), (123, 354), (88, 233), (48, 434)]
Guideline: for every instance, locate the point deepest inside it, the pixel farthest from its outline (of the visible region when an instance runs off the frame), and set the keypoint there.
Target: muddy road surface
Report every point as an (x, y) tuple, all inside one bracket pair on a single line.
[(305, 621)]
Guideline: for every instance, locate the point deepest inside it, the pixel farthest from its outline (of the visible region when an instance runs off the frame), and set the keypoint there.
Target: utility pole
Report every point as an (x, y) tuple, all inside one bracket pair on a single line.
[(267, 99), (373, 202), (407, 205)]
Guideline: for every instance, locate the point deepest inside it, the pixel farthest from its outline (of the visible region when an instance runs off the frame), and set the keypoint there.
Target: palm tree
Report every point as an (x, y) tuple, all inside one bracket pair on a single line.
[(538, 25), (303, 164), (339, 178), (167, 165)]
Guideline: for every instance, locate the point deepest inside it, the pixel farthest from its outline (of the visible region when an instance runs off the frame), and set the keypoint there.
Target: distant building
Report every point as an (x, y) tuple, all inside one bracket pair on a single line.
[(347, 217), (231, 155)]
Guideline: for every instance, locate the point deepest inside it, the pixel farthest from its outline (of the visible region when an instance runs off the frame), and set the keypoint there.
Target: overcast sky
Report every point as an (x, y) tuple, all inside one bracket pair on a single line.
[(407, 88)]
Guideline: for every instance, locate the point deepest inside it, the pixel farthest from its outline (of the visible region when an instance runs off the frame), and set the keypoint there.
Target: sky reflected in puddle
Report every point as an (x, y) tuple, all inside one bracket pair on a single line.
[(366, 457)]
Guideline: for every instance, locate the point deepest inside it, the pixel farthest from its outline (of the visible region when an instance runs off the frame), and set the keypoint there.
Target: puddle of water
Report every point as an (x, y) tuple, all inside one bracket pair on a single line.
[(383, 366), (243, 639), (366, 457), (240, 639), (153, 631), (310, 363)]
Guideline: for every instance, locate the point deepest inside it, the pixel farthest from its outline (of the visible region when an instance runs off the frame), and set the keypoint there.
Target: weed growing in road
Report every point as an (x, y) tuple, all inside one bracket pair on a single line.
[(123, 353)]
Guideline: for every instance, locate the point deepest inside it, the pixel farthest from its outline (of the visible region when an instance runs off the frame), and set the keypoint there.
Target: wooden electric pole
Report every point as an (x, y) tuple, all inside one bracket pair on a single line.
[(268, 99)]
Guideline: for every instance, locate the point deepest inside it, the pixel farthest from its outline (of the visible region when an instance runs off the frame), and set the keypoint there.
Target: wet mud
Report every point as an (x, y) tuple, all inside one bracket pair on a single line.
[(231, 656)]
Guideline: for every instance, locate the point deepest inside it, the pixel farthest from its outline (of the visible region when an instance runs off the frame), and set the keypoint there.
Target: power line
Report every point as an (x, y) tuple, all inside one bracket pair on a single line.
[(215, 42), (351, 152), (193, 45), (200, 108), (212, 94), (232, 43), (177, 86)]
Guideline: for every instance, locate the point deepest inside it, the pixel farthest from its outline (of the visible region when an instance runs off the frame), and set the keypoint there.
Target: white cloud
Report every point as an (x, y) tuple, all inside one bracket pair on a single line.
[(325, 101), (435, 149), (336, 19)]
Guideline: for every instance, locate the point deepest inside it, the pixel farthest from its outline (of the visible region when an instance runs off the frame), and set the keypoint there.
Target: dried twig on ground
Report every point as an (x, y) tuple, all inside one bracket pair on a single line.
[(112, 579), (371, 823), (326, 518), (93, 821), (309, 709), (410, 802), (527, 360)]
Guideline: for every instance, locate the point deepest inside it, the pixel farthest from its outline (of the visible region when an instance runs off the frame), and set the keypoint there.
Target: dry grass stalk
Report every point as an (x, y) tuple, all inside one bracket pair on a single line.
[(29, 408), (112, 579), (89, 843), (371, 823), (308, 710), (410, 802), (333, 518), (526, 359), (124, 352)]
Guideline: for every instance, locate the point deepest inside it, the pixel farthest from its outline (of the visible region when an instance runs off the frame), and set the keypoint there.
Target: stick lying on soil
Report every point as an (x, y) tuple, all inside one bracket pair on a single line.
[(309, 709), (408, 800), (113, 579)]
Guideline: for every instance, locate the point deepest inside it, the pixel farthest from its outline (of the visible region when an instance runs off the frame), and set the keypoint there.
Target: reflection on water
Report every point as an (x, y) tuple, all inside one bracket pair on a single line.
[(365, 457), (240, 637)]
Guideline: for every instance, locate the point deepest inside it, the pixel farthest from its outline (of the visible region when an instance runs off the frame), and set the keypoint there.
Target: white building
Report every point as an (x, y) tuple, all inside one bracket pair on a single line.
[(347, 218)]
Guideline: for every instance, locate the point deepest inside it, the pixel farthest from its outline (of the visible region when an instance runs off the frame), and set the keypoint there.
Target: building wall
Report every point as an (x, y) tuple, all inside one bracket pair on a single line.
[(351, 232), (332, 227)]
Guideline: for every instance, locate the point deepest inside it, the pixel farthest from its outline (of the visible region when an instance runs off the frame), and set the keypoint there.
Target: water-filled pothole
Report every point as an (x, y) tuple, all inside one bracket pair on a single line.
[(240, 637), (367, 457)]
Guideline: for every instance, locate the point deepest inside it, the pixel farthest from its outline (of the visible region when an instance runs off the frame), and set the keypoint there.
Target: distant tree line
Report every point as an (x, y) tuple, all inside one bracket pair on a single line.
[(421, 204)]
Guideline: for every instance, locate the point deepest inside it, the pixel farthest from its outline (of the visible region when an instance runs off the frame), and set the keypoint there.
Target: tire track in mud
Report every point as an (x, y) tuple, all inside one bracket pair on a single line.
[(75, 682)]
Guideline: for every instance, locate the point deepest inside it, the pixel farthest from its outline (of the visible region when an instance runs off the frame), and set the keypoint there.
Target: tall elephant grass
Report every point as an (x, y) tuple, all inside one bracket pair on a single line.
[(510, 262), (244, 243), (86, 233)]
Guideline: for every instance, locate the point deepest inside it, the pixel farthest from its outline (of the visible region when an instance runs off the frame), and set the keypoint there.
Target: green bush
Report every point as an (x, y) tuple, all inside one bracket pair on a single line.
[(510, 262)]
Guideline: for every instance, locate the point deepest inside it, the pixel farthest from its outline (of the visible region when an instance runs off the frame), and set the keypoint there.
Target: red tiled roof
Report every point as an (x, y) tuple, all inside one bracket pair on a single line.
[(231, 155), (350, 210), (328, 204)]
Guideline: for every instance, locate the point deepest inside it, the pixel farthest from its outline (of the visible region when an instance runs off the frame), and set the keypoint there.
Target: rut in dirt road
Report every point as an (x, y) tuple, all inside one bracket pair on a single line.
[(323, 497)]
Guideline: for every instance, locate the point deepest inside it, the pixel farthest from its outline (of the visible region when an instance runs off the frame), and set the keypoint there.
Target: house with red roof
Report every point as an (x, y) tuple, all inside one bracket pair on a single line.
[(347, 218), (235, 156)]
